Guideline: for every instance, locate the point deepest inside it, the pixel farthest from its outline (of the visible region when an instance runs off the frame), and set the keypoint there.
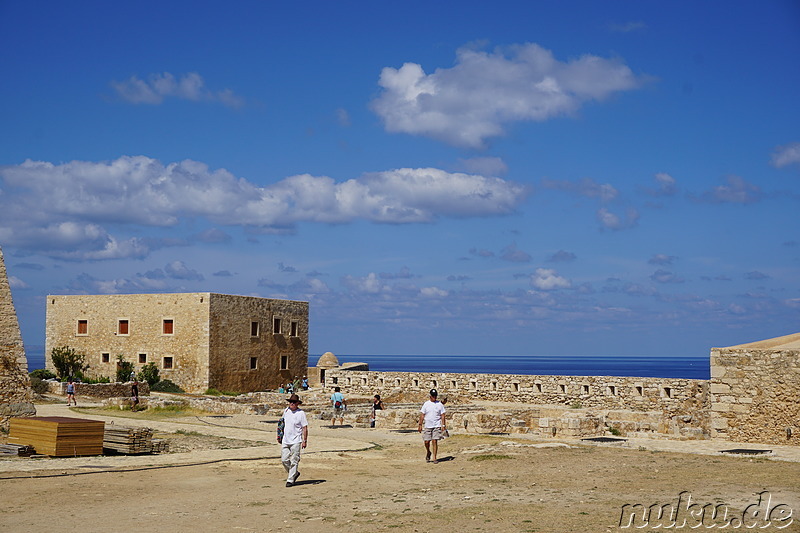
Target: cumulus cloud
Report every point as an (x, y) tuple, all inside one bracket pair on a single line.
[(157, 87), (612, 221), (484, 91), (735, 191), (666, 185), (786, 155), (62, 208), (547, 279), (179, 270)]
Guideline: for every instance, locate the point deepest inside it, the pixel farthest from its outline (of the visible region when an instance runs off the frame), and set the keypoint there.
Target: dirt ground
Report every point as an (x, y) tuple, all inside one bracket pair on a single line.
[(481, 483)]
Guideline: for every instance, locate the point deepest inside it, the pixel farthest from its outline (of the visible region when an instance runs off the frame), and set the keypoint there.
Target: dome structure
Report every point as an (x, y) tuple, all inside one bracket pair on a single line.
[(328, 360)]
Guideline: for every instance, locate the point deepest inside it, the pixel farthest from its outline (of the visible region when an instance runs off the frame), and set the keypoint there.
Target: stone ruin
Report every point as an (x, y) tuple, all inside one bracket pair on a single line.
[(16, 396)]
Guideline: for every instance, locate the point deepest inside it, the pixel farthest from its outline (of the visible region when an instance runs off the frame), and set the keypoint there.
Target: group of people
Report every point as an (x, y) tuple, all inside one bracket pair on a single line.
[(293, 428), (293, 386)]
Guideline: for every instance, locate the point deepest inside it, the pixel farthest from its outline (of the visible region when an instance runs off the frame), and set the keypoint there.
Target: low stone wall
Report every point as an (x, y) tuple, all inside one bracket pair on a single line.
[(680, 404), (754, 395), (98, 390)]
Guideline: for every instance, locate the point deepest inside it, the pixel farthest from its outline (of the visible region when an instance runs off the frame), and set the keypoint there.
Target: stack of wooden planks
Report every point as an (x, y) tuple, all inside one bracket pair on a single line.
[(130, 440), (58, 436), (16, 449)]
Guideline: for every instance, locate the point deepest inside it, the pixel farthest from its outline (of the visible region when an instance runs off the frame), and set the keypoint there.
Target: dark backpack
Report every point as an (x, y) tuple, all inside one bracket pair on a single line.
[(281, 428)]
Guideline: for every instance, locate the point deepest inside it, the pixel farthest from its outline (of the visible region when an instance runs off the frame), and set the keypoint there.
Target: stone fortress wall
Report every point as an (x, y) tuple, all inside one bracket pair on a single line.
[(753, 396), (16, 396), (754, 393)]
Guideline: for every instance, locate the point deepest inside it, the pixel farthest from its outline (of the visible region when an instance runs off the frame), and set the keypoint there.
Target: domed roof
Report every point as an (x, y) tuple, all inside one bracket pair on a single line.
[(328, 360)]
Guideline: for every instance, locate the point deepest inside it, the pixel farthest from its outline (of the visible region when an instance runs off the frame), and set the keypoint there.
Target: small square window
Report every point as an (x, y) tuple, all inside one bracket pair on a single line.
[(562, 388), (537, 387), (294, 329), (83, 327), (276, 326), (253, 363), (123, 327), (105, 357), (639, 391), (166, 363), (142, 358), (667, 392), (169, 326), (254, 329), (586, 389), (284, 362), (416, 383)]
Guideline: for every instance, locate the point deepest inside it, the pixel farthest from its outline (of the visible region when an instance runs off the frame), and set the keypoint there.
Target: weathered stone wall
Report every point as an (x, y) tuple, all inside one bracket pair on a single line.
[(145, 313), (754, 395), (680, 402), (210, 344), (234, 351), (98, 390), (16, 397)]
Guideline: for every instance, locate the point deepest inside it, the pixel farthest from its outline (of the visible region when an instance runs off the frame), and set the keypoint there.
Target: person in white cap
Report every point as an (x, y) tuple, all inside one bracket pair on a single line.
[(431, 416)]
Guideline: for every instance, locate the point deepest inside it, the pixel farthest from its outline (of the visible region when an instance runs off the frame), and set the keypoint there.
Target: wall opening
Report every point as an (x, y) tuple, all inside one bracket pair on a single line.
[(253, 363), (166, 363), (168, 326)]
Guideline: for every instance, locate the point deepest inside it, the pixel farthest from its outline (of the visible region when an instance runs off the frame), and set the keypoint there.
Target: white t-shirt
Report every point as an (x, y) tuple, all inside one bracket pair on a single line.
[(295, 422), (433, 412)]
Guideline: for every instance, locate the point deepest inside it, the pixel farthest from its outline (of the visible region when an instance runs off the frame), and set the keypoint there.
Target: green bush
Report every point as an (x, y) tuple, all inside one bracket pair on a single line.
[(149, 373), (165, 385), (38, 385), (124, 369), (68, 362), (42, 373), (97, 379)]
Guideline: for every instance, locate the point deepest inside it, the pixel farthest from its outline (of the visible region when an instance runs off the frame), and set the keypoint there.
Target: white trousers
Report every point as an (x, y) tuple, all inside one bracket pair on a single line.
[(290, 457)]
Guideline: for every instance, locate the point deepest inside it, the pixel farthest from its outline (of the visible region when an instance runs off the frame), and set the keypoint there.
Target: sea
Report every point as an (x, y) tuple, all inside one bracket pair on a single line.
[(645, 366)]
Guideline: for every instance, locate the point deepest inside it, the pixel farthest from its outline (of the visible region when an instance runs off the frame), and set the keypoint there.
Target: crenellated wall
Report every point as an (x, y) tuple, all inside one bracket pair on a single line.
[(680, 404)]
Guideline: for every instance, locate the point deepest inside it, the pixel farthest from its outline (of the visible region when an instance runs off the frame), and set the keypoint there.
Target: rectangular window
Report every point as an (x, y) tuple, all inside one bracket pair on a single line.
[(166, 363), (105, 357), (639, 391), (276, 326), (284, 362), (586, 389), (168, 326), (123, 327), (667, 392), (562, 389), (83, 327), (142, 358), (253, 363), (294, 329), (537, 387), (254, 329)]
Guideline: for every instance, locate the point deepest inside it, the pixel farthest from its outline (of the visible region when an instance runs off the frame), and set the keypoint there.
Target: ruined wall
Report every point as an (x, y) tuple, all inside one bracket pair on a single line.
[(16, 397), (98, 390), (754, 395), (185, 349), (256, 343), (681, 403)]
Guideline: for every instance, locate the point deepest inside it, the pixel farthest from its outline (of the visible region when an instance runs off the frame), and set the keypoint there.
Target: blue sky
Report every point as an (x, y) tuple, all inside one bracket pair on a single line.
[(433, 177)]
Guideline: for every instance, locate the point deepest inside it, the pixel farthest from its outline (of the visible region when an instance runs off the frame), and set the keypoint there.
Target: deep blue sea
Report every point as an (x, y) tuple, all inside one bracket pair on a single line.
[(691, 367)]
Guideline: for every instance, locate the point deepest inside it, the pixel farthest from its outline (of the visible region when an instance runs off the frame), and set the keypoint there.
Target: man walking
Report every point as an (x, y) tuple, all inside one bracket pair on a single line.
[(432, 417), (295, 438), (339, 405)]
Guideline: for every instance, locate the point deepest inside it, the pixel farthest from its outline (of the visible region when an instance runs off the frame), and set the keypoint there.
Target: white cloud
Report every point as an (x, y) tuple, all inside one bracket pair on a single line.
[(785, 155), (474, 100), (547, 279), (485, 166), (62, 207), (16, 283), (735, 191), (667, 185), (433, 292), (157, 87), (612, 221)]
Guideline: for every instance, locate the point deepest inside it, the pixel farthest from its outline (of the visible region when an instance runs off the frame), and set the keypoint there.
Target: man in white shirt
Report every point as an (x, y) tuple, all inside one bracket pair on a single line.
[(295, 438), (432, 416)]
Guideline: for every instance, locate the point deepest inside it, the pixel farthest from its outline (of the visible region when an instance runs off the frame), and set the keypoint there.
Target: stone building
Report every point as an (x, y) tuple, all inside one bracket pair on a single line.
[(328, 361), (198, 340), (16, 397)]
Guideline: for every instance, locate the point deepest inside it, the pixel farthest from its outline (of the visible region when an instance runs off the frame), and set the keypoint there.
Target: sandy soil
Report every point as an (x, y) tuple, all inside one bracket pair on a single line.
[(483, 483)]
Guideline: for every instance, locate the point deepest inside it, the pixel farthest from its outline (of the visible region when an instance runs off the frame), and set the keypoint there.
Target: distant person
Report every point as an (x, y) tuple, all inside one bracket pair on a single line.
[(71, 393), (377, 405), (339, 405), (290, 388), (304, 384), (132, 377), (281, 390), (432, 417), (135, 396), (295, 438)]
